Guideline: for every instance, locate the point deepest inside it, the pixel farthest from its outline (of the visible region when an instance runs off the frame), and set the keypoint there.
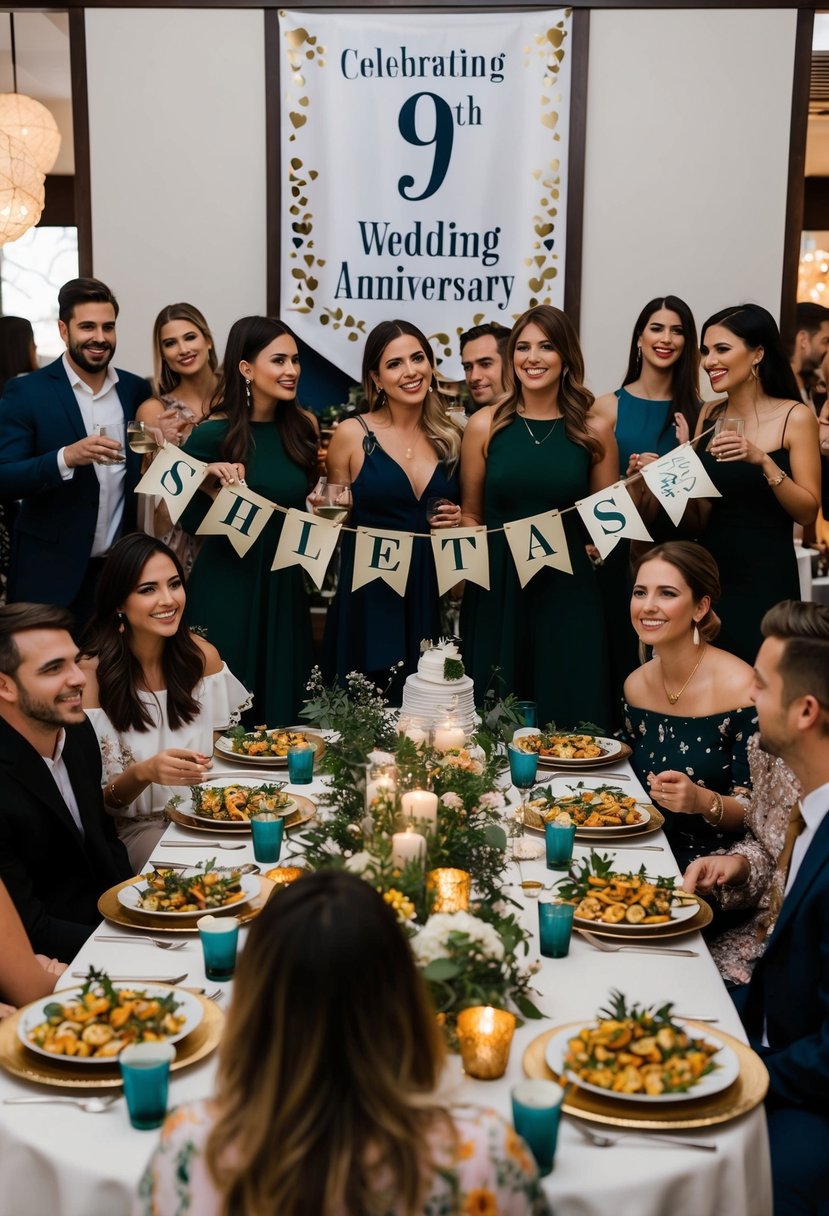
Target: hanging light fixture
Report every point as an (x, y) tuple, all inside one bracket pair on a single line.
[(28, 121), (22, 189)]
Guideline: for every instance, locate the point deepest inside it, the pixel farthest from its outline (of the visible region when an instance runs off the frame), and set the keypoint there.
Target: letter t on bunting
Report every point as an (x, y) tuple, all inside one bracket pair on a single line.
[(460, 554), (610, 515), (309, 541), (383, 555), (676, 477), (538, 541), (175, 477), (238, 514)]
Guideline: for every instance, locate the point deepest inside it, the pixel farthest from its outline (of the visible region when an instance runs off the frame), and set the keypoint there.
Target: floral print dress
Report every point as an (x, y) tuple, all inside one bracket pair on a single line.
[(488, 1172)]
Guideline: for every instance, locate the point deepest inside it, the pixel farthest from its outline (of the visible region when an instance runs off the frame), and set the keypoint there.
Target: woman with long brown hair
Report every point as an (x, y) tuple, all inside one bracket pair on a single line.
[(538, 450), (256, 433), (156, 694), (325, 1096)]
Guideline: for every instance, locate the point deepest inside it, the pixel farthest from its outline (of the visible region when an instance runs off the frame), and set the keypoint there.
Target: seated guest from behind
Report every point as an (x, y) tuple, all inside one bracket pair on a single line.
[(687, 712), (58, 848), (483, 349), (351, 1122), (785, 1007), (24, 975)]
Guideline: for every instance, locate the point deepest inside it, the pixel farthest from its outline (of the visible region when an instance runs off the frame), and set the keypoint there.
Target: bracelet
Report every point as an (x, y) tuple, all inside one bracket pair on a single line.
[(718, 809), (775, 481), (112, 799)]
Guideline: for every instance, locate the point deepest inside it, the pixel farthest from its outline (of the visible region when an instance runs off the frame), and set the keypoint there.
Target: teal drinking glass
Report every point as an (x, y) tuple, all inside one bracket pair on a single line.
[(559, 838), (145, 1070), (301, 764), (528, 710), (536, 1113), (555, 925), (219, 937), (268, 830)]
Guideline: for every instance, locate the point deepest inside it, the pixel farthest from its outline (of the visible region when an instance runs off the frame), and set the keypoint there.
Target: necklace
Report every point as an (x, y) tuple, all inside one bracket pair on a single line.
[(538, 442), (673, 697)]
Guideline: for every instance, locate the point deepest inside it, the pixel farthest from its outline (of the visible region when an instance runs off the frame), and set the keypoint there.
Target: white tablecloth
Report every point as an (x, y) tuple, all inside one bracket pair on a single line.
[(58, 1161)]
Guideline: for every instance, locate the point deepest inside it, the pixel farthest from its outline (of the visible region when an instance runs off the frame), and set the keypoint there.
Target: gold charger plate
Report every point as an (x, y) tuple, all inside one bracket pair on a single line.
[(650, 933), (748, 1091), (269, 762), (29, 1066), (305, 812), (117, 914), (585, 835), (571, 767)]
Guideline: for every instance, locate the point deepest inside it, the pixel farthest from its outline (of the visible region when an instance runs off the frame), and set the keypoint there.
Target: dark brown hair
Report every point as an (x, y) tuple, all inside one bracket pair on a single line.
[(685, 397), (166, 380), (120, 675), (83, 291), (700, 571), (804, 665), (21, 618), (328, 1060)]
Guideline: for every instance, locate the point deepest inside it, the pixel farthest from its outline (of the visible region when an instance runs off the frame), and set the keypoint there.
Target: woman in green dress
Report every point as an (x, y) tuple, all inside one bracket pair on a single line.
[(255, 433), (537, 451)]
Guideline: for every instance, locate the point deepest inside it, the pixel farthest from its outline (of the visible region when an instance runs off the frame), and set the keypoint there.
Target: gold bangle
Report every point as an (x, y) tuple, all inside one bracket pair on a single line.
[(718, 809), (775, 481), (112, 799)]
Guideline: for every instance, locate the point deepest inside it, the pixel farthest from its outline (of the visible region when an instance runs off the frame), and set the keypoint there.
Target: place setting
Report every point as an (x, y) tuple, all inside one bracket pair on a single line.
[(170, 899)]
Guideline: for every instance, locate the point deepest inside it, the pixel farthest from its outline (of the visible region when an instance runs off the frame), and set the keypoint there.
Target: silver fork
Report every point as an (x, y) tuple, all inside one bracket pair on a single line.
[(154, 941), (205, 848), (599, 1140), (138, 979), (93, 1106), (599, 943)]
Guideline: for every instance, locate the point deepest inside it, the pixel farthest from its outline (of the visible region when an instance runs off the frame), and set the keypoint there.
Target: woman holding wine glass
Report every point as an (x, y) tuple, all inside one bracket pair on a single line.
[(402, 454)]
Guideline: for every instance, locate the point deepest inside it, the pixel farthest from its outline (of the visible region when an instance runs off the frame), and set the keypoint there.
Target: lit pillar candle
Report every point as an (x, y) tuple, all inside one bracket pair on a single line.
[(422, 807), (382, 785), (449, 735), (406, 847)]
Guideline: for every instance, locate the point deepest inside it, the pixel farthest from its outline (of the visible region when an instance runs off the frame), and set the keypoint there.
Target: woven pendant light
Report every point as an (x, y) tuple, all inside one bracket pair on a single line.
[(22, 189), (27, 120)]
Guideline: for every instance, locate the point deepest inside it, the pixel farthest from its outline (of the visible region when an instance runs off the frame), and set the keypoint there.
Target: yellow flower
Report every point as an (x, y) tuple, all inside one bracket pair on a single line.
[(480, 1202), (402, 907), (466, 1149)]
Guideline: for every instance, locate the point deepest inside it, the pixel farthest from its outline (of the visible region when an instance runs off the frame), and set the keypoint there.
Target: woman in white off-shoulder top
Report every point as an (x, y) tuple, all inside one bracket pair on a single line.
[(156, 694)]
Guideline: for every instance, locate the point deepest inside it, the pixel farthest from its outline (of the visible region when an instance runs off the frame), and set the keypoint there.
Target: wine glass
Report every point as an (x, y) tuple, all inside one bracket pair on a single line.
[(523, 768), (433, 509), (112, 432), (332, 501), (146, 440)]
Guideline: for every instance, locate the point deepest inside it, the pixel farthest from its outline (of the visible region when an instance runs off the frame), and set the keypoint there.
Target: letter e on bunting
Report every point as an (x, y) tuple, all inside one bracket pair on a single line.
[(609, 515), (385, 555), (308, 541), (460, 553), (538, 541), (175, 477), (676, 477), (238, 514)]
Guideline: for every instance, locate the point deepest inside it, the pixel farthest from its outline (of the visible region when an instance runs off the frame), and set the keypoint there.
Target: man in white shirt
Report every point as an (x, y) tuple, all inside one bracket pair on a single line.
[(785, 1008), (58, 848), (63, 452)]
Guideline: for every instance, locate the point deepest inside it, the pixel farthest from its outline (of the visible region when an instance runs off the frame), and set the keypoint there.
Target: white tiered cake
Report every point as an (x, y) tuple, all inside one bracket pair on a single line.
[(433, 697)]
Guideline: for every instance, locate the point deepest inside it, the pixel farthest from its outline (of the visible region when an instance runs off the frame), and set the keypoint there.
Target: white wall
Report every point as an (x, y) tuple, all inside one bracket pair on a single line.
[(686, 167), (177, 136)]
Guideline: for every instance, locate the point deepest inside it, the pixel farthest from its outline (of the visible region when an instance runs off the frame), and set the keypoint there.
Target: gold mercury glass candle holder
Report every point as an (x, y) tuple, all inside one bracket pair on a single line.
[(451, 889), (485, 1035), (282, 875)]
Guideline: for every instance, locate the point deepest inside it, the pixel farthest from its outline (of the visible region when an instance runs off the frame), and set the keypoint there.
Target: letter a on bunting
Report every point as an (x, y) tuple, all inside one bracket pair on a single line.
[(538, 541)]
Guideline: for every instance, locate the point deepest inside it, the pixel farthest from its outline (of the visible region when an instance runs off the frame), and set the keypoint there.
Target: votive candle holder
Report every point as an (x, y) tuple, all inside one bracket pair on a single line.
[(485, 1036), (451, 889)]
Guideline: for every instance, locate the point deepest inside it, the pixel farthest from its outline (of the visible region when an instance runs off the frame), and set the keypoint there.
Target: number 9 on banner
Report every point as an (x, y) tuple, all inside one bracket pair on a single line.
[(442, 138)]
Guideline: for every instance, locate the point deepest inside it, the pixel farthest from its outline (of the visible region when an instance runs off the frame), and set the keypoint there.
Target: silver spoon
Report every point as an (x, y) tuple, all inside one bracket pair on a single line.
[(599, 1140), (93, 1106)]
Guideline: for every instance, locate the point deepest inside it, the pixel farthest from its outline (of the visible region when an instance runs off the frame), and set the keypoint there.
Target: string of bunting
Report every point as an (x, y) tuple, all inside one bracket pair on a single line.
[(459, 553)]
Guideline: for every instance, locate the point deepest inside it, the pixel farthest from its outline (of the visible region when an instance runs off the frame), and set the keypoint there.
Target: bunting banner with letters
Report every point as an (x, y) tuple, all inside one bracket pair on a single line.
[(676, 477), (610, 515), (307, 541), (536, 542)]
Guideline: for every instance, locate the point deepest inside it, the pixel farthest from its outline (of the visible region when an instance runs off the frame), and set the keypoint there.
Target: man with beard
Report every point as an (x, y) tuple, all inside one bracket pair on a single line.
[(809, 346), (58, 848), (63, 452)]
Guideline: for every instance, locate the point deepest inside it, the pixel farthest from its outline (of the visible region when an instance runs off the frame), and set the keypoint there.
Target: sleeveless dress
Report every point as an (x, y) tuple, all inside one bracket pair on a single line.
[(548, 639), (258, 619), (373, 628), (750, 535)]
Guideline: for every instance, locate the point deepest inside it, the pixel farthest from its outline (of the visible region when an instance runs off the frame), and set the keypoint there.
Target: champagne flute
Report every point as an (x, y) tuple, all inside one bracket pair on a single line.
[(146, 440), (523, 769), (332, 501)]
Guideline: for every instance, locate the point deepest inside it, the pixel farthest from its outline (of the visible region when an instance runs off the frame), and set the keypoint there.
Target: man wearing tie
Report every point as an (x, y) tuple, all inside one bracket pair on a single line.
[(62, 451), (785, 1007)]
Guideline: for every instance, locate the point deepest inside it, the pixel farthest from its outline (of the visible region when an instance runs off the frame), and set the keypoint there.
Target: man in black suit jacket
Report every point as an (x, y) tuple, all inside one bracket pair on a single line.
[(785, 1007), (58, 848), (76, 485)]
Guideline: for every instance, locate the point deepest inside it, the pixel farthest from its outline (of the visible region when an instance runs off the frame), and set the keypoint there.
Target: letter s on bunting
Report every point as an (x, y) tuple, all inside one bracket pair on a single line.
[(175, 477), (609, 515)]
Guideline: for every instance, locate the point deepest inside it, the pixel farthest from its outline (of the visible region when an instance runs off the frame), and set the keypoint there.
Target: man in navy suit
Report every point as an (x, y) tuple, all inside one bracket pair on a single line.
[(58, 847), (62, 451), (785, 1007)]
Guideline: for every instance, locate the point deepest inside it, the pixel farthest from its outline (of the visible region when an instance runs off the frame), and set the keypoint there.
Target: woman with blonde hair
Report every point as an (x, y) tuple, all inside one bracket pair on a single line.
[(398, 458), (325, 1096), (538, 450)]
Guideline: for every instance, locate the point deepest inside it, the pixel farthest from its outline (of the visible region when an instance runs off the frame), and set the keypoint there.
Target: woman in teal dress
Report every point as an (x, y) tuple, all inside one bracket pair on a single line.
[(655, 409), (538, 450), (256, 433), (692, 756), (397, 459), (768, 476)]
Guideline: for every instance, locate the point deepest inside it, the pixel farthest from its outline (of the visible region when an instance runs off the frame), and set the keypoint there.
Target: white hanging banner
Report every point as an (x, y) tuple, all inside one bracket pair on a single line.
[(173, 476), (390, 122), (536, 542), (610, 515), (460, 554), (676, 477), (385, 555), (308, 541), (238, 514)]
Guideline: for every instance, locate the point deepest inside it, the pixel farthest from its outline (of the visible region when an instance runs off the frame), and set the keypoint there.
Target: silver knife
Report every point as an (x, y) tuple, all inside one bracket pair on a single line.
[(138, 979)]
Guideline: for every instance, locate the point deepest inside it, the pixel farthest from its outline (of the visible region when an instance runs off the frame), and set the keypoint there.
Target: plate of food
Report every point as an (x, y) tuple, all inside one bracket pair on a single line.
[(265, 746), (642, 1055), (601, 811), (637, 902), (234, 802), (172, 893), (93, 1022), (567, 749)]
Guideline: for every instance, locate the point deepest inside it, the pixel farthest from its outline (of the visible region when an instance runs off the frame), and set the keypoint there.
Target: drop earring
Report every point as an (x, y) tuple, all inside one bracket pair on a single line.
[(120, 620), (696, 634), (247, 392)]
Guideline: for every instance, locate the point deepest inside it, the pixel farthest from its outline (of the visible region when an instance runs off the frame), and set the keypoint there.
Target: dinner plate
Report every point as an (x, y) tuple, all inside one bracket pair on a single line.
[(679, 914), (627, 933), (304, 813), (611, 751), (224, 748), (714, 1082), (129, 898), (652, 821), (112, 910), (32, 1016), (248, 783)]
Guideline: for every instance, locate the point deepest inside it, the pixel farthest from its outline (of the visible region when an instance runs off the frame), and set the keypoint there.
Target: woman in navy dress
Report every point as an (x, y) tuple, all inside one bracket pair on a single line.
[(396, 458)]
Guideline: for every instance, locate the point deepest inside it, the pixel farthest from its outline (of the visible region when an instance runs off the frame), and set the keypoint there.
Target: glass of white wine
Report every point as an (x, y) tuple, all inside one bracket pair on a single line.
[(143, 439), (332, 501)]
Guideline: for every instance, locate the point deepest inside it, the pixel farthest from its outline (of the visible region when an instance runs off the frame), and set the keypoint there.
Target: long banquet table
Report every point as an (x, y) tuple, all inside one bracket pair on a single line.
[(60, 1161)]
